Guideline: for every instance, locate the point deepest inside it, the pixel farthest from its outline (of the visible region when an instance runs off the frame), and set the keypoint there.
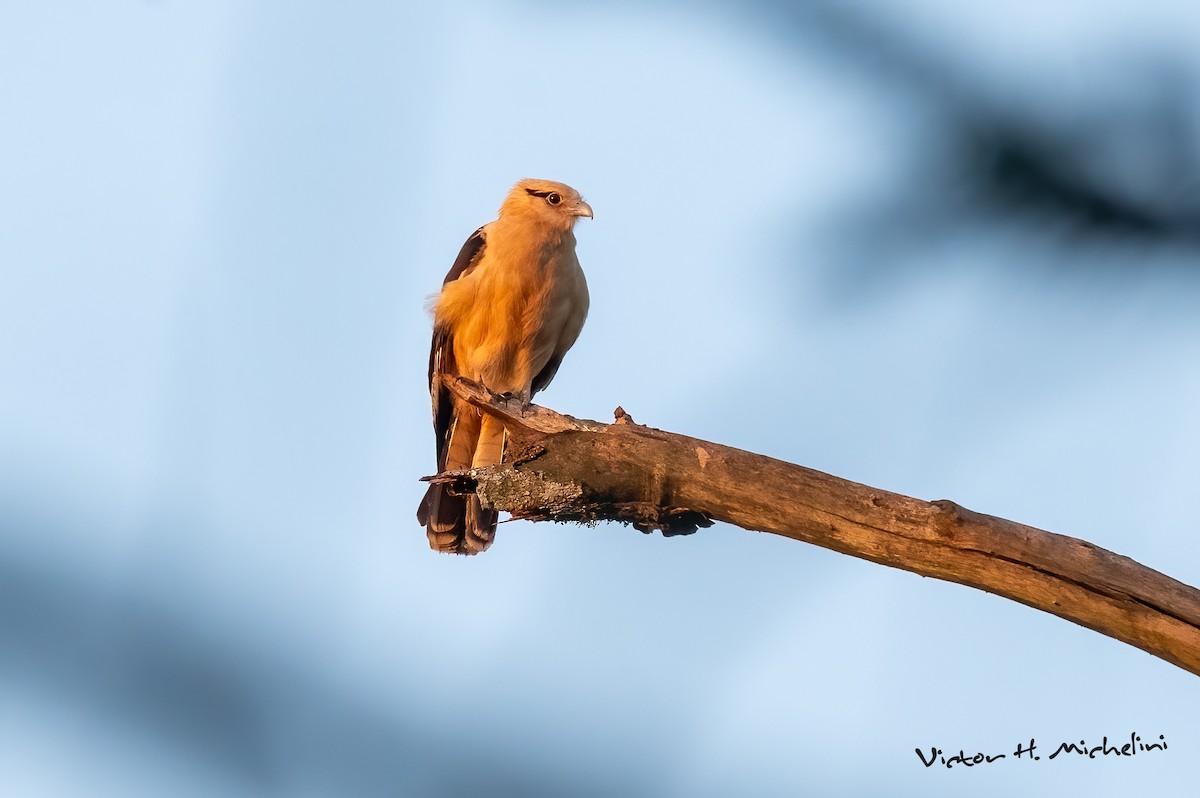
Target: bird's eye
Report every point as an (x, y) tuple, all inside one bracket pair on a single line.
[(553, 198)]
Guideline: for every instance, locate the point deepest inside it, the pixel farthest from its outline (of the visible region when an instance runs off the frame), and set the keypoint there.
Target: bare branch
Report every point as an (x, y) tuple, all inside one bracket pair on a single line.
[(565, 469)]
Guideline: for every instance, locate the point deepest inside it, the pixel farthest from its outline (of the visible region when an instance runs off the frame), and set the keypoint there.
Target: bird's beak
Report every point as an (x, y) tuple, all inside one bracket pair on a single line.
[(583, 209)]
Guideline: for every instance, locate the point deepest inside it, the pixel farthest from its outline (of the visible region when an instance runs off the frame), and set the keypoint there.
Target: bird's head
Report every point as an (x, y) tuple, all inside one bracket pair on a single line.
[(551, 203)]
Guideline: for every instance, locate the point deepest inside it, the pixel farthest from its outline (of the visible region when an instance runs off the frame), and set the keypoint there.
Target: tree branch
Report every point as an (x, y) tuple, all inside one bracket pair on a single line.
[(564, 469)]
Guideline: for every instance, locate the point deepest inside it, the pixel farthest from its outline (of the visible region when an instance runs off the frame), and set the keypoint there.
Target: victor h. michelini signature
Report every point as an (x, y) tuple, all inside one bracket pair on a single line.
[(934, 755)]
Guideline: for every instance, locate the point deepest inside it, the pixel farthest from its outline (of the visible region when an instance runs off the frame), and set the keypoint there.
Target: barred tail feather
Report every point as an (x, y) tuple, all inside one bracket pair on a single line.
[(454, 523), (480, 527), (444, 517)]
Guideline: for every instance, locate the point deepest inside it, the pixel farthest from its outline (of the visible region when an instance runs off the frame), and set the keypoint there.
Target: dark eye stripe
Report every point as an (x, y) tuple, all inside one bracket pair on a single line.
[(552, 197)]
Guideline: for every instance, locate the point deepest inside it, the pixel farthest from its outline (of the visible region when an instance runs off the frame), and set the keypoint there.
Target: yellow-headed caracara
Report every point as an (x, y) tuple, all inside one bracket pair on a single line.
[(510, 308)]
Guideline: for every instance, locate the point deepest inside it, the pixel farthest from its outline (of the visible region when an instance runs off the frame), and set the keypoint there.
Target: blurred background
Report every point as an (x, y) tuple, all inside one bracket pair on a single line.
[(946, 249)]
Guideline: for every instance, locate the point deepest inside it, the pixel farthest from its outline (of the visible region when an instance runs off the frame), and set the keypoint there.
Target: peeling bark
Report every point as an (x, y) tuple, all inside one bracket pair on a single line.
[(565, 469)]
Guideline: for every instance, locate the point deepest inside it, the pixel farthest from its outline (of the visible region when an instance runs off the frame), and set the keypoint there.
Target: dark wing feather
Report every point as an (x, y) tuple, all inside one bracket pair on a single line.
[(545, 375), (441, 361), (468, 256)]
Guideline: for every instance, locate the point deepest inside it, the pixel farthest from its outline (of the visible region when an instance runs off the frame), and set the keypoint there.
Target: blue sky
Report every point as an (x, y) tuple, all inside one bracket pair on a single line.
[(218, 229)]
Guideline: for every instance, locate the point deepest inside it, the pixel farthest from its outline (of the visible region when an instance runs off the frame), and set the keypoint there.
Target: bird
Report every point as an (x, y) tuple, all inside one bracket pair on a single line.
[(511, 306)]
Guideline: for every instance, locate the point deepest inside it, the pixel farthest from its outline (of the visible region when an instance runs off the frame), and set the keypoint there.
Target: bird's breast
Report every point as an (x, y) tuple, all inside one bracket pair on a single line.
[(509, 314)]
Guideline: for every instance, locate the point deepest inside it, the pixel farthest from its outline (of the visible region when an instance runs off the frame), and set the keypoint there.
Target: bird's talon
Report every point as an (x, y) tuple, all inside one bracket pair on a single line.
[(512, 402)]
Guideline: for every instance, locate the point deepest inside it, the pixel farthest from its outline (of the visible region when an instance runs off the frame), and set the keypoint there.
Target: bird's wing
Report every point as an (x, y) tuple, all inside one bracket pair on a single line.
[(572, 325), (444, 514), (441, 351)]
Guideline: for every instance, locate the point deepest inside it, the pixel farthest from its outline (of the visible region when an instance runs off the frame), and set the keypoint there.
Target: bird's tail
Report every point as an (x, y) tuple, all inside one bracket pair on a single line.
[(456, 523)]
